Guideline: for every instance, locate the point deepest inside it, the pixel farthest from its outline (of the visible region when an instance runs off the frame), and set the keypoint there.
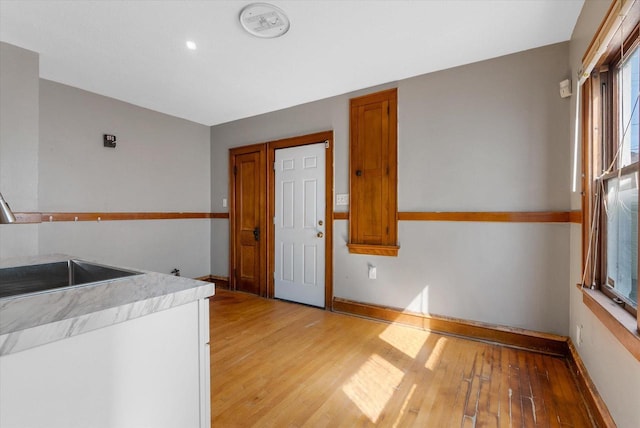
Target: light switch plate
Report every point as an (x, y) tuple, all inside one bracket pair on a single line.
[(224, 202), (342, 199)]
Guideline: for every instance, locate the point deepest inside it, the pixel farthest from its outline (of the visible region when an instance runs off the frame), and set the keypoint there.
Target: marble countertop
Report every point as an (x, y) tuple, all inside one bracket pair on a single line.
[(35, 319)]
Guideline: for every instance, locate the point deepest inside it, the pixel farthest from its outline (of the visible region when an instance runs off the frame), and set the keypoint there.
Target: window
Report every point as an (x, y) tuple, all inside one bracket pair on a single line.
[(621, 245), (612, 168), (619, 183)]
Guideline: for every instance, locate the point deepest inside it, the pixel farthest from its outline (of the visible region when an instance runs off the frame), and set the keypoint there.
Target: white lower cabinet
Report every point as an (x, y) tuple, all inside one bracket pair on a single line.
[(151, 371)]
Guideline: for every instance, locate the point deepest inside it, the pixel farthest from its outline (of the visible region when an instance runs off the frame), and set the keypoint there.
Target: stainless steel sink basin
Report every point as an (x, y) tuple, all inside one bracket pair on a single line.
[(51, 276)]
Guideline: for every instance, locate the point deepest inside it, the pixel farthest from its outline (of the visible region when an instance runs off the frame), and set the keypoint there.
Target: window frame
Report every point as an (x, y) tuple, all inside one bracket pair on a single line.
[(600, 137)]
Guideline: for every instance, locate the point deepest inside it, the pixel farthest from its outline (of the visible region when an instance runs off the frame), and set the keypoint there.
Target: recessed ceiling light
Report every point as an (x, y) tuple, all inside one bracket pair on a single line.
[(264, 20), (191, 45)]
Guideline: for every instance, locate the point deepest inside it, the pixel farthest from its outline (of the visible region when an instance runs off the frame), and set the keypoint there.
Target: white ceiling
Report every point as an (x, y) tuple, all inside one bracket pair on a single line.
[(135, 50)]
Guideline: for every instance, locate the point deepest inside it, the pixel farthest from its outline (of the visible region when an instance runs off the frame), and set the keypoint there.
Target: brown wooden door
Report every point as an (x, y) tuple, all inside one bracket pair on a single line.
[(248, 212)]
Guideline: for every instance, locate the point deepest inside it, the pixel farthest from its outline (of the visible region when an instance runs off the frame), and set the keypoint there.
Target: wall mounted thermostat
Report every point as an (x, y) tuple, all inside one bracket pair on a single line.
[(110, 141), (565, 88)]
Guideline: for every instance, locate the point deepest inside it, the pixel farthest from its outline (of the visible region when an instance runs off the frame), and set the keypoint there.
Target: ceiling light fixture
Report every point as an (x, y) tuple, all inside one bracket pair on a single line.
[(264, 20), (191, 45)]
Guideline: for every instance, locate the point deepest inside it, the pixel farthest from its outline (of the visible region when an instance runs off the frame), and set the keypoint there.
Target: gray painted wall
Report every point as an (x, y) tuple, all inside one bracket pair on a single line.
[(613, 369), (161, 163), (52, 159), (486, 136), (19, 112)]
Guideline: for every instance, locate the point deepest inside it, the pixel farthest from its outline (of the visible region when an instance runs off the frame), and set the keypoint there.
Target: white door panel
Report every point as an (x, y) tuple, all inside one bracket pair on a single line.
[(299, 224)]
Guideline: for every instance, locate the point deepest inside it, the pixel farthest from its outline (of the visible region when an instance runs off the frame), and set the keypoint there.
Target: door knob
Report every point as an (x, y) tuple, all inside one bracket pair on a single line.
[(320, 235)]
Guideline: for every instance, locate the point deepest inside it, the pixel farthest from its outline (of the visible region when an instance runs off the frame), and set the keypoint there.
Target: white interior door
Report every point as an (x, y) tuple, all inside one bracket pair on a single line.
[(300, 224)]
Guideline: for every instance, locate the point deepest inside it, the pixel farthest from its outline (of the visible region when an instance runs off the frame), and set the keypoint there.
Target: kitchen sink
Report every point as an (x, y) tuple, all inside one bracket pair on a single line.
[(52, 276)]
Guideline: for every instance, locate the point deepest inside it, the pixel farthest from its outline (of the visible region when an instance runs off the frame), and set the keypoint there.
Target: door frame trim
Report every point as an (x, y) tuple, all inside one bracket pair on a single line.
[(302, 140), (264, 251)]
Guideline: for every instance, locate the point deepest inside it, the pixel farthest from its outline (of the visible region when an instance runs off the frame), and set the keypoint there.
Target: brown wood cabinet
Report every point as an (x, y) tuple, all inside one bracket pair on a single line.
[(373, 225)]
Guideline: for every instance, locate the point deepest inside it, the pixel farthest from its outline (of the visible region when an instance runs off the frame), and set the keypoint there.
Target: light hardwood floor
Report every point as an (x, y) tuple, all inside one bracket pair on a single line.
[(278, 364)]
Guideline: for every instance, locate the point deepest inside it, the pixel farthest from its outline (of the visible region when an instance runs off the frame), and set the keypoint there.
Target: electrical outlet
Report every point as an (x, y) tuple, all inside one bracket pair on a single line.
[(373, 272), (342, 199), (579, 335)]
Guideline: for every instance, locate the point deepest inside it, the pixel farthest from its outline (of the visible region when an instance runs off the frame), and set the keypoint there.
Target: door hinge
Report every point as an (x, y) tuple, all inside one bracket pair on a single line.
[(235, 170), (326, 144), (274, 166), (274, 220)]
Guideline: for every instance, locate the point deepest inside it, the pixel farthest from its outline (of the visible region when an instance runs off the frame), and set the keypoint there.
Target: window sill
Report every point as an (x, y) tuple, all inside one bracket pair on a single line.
[(620, 322), (374, 250)]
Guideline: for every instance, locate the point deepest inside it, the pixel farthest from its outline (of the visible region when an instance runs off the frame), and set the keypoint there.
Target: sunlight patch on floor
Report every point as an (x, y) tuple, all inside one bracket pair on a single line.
[(436, 354), (373, 385), (403, 409), (408, 341)]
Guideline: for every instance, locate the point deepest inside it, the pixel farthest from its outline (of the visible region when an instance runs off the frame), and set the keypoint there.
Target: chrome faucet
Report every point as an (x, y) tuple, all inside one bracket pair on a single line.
[(6, 216)]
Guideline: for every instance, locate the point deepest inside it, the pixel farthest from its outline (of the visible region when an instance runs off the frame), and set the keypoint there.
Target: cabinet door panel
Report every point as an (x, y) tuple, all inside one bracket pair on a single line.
[(373, 177)]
